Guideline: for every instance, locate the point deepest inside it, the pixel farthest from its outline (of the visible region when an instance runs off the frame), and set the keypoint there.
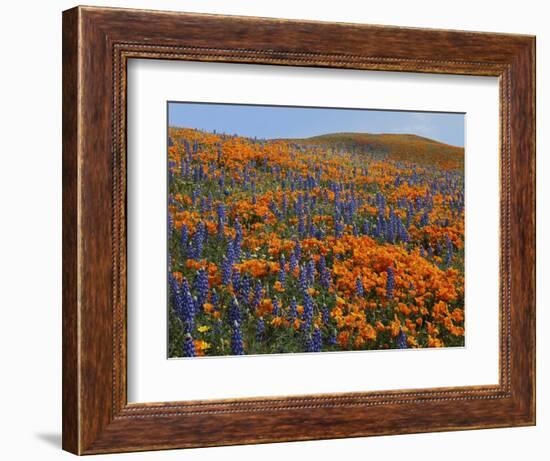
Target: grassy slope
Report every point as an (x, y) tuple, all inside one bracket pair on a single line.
[(399, 147)]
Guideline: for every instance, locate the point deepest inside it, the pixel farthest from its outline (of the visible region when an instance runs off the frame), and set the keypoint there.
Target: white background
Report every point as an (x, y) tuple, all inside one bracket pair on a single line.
[(153, 378), (30, 247)]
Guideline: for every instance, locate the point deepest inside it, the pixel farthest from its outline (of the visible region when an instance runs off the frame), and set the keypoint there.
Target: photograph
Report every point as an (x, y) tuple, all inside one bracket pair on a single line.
[(313, 229)]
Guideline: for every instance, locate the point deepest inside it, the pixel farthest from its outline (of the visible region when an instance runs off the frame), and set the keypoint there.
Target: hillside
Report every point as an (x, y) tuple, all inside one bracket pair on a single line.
[(276, 247), (398, 147)]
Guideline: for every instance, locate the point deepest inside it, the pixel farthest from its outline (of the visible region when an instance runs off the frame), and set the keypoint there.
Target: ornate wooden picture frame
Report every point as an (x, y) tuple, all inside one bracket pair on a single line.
[(97, 44)]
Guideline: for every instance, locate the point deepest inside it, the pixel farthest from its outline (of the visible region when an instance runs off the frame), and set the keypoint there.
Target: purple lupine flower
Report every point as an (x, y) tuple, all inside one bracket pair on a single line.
[(234, 311), (297, 250), (390, 228), (174, 289), (325, 315), (381, 203), (310, 272), (359, 290), (184, 236), (379, 229), (326, 279), (402, 232), (276, 309), (170, 225), (299, 204), (293, 263), (209, 201), (184, 167), (188, 346), (449, 256), (301, 226), (303, 279), (169, 263), (244, 289), (282, 270), (309, 343), (221, 220), (197, 173), (322, 264), (198, 240), (320, 233), (425, 219), (237, 347), (176, 293), (194, 195), (317, 340), (397, 181), (258, 294), (187, 307), (226, 271), (339, 229), (260, 329), (390, 283), (292, 312), (308, 312), (221, 229), (230, 252), (200, 285), (236, 280), (402, 340), (214, 300), (409, 218)]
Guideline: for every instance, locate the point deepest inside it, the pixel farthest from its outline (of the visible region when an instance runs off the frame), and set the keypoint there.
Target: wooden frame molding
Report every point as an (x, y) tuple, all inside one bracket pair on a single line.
[(97, 44)]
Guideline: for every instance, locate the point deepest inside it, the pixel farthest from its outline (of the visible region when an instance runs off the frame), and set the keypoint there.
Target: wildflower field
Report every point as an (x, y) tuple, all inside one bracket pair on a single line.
[(334, 243)]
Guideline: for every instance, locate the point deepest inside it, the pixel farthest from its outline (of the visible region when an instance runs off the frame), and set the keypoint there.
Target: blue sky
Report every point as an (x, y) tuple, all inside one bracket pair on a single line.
[(301, 122)]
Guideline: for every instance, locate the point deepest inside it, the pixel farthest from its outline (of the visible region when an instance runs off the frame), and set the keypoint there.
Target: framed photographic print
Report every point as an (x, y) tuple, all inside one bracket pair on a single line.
[(284, 230)]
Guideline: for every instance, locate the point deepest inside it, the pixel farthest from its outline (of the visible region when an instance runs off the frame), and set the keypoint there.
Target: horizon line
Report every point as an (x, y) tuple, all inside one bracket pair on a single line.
[(318, 135)]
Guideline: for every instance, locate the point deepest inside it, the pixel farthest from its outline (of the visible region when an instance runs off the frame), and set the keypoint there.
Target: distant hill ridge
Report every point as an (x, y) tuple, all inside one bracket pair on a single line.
[(399, 147), (410, 148)]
